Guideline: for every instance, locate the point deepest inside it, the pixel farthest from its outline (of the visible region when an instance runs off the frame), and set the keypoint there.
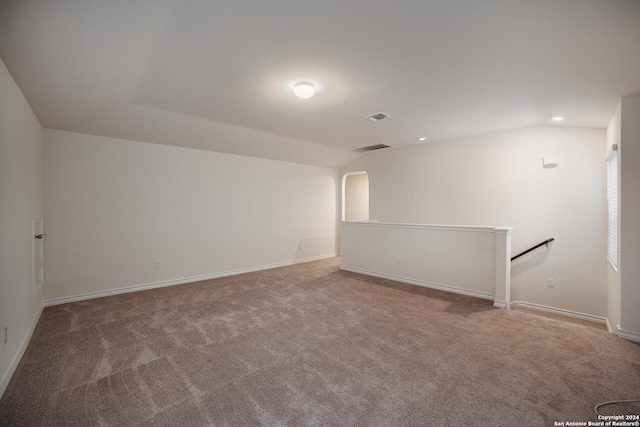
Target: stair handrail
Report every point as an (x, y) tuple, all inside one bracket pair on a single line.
[(546, 242)]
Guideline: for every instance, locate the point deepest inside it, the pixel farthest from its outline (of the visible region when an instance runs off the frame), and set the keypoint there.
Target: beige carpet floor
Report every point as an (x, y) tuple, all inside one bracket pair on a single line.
[(310, 345), (562, 317)]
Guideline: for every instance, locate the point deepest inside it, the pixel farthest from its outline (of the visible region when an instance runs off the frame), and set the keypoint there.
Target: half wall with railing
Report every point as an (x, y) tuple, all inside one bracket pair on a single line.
[(467, 260)]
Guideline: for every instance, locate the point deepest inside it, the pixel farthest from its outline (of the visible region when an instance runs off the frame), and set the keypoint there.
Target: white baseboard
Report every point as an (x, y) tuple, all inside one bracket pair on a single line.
[(135, 288), (628, 335), (562, 312), (16, 360), (500, 304), (420, 283)]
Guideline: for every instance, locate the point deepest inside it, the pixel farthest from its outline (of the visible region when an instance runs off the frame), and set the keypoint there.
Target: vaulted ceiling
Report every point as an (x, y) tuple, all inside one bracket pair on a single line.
[(218, 75)]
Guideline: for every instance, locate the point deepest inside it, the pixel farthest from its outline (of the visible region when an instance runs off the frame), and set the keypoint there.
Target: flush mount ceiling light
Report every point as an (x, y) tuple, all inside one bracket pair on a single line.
[(557, 118), (422, 138), (304, 90)]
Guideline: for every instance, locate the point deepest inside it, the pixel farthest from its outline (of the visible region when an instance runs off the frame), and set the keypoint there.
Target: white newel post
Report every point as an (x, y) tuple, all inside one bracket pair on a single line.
[(503, 267)]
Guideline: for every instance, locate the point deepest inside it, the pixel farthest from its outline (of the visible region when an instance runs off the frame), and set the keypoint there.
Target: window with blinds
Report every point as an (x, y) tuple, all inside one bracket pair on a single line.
[(612, 201)]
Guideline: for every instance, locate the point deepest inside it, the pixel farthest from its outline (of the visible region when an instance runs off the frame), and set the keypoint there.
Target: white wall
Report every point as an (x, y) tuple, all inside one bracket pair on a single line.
[(20, 202), (356, 197), (613, 275), (498, 180), (114, 207), (630, 218)]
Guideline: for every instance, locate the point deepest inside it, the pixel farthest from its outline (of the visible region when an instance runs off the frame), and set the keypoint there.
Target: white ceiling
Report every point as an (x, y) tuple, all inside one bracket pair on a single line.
[(218, 75)]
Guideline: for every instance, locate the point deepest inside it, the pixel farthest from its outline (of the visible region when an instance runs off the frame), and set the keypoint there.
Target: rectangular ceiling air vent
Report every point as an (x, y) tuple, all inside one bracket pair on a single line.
[(377, 117), (371, 148)]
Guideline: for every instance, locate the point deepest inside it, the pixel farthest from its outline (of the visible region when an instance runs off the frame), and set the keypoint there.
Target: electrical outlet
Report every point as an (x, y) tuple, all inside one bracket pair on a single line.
[(5, 335), (549, 283), (158, 263)]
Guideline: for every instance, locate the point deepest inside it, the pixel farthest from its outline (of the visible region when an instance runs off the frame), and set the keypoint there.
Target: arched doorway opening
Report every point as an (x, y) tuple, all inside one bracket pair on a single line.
[(355, 196)]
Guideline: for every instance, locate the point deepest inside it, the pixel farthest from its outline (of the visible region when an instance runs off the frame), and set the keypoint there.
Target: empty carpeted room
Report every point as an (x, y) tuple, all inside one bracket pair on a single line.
[(286, 213)]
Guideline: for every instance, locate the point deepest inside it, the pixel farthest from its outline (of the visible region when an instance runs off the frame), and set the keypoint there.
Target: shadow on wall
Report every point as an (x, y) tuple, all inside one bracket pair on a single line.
[(316, 247)]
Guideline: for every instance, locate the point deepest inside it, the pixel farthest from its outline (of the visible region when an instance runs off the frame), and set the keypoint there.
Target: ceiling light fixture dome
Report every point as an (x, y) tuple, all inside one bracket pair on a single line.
[(557, 118), (304, 90)]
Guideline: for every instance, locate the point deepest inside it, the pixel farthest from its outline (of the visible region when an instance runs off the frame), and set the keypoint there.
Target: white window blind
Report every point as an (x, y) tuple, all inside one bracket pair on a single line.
[(612, 199)]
